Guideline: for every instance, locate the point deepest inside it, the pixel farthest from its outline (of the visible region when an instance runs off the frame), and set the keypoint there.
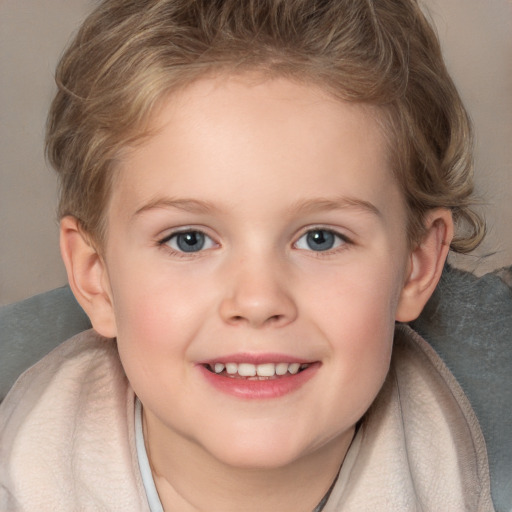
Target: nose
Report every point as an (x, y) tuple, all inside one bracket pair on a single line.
[(258, 296)]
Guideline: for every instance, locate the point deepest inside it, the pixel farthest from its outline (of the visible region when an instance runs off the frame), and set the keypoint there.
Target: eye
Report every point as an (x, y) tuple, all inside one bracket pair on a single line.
[(188, 241), (320, 240)]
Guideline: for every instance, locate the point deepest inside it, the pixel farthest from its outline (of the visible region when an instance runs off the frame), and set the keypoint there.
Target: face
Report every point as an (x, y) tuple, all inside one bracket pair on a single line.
[(256, 253)]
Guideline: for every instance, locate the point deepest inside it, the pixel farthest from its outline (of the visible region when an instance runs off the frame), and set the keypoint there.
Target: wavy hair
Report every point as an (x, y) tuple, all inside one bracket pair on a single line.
[(130, 54)]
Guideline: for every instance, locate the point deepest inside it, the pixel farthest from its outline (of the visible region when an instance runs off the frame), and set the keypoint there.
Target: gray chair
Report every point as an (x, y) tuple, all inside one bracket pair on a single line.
[(33, 327), (468, 321)]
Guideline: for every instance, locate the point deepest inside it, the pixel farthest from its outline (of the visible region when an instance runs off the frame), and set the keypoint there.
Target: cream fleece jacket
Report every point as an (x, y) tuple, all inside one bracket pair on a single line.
[(67, 438)]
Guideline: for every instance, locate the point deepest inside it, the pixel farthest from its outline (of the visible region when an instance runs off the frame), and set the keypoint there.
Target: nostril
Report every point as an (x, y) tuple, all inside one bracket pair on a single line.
[(271, 309), (237, 319)]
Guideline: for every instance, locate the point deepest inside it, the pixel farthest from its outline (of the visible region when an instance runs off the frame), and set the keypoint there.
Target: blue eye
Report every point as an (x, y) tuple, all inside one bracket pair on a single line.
[(319, 240), (189, 241)]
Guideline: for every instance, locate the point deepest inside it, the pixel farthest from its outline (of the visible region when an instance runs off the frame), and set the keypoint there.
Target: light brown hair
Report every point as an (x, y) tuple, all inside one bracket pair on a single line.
[(130, 54)]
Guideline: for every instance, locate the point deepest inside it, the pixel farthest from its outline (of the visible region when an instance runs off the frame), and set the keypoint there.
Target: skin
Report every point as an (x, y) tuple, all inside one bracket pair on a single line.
[(255, 165)]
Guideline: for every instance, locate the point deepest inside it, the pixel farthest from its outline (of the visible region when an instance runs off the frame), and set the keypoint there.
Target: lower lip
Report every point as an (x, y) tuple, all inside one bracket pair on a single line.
[(259, 389)]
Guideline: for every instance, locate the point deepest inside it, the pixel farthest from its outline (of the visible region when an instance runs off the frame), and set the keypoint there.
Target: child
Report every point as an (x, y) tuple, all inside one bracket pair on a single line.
[(253, 193)]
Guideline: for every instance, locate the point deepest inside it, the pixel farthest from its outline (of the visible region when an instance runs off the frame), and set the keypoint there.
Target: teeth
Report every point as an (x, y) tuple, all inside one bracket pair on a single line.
[(231, 368), (260, 370), (294, 368), (266, 370), (246, 370), (281, 368)]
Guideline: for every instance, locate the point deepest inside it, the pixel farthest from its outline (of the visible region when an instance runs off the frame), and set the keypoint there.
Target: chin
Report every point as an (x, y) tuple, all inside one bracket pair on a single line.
[(259, 450), (252, 459)]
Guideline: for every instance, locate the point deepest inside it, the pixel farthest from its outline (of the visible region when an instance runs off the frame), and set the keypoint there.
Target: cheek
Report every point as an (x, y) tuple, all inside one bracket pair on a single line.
[(362, 336), (154, 333), (360, 299), (159, 316), (154, 301), (357, 319)]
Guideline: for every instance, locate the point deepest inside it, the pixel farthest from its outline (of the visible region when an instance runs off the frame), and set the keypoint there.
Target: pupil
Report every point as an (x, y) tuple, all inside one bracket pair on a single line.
[(320, 240), (190, 242)]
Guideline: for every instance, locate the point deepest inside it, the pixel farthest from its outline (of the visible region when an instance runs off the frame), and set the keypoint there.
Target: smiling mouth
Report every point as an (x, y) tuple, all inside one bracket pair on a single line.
[(265, 371)]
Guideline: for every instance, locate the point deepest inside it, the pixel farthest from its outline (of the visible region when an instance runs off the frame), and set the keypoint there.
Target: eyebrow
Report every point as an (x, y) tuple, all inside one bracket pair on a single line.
[(189, 205), (336, 203), (307, 206)]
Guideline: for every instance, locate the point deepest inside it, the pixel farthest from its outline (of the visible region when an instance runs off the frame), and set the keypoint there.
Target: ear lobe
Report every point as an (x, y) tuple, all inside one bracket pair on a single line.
[(426, 265), (87, 276)]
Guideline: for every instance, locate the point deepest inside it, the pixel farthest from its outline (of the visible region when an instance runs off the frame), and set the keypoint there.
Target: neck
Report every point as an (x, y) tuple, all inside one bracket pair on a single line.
[(190, 479)]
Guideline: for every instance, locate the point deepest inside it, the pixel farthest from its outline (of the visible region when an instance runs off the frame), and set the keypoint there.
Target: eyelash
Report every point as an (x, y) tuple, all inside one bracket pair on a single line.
[(341, 241), (164, 242)]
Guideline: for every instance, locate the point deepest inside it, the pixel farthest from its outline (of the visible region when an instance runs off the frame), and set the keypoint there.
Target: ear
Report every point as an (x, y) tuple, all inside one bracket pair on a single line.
[(426, 263), (87, 276)]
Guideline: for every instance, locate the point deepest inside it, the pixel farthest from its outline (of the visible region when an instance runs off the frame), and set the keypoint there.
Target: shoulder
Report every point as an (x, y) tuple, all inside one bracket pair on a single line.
[(441, 434), (73, 367), (66, 416), (48, 397), (416, 362), (419, 446), (426, 387)]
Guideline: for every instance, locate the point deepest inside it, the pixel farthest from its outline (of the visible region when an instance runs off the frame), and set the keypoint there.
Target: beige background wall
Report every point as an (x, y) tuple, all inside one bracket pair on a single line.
[(476, 35)]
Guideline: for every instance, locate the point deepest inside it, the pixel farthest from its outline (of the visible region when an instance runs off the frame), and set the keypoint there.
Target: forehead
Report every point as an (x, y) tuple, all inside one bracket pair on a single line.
[(227, 139)]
